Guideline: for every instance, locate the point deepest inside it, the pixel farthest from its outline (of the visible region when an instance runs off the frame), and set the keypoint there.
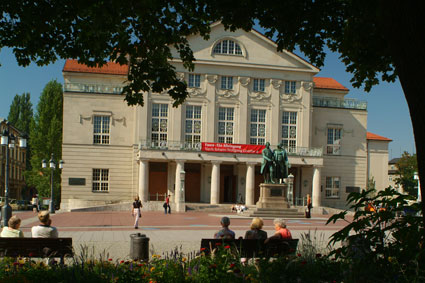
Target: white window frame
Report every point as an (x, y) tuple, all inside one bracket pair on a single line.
[(289, 130), (259, 85), (257, 129), (227, 47), (100, 180), (333, 140), (194, 80), (193, 124), (159, 135), (226, 82), (290, 87), (101, 129), (226, 124), (333, 186)]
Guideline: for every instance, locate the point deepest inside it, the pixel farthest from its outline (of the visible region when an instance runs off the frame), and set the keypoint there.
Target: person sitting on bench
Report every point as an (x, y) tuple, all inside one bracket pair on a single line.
[(281, 231), (12, 231), (44, 230), (225, 233), (256, 232)]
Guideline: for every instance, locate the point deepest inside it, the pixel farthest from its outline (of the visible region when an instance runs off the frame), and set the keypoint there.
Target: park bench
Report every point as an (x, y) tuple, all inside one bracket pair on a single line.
[(36, 247), (251, 248)]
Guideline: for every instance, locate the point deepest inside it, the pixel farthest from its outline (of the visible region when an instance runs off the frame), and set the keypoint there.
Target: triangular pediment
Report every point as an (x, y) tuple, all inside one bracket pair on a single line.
[(257, 51)]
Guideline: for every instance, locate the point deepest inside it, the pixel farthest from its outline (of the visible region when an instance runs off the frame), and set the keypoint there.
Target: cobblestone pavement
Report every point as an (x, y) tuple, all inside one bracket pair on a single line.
[(108, 233)]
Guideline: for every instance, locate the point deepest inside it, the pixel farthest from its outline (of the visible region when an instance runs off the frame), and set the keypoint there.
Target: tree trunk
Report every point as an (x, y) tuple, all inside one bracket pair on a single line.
[(404, 28)]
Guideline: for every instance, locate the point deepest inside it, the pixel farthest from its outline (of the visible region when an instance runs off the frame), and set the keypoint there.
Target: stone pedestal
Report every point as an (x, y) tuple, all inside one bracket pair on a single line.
[(180, 207), (273, 196)]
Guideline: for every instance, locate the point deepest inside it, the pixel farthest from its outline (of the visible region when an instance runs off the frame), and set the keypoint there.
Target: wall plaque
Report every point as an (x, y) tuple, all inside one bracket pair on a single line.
[(352, 189), (276, 192), (77, 181)]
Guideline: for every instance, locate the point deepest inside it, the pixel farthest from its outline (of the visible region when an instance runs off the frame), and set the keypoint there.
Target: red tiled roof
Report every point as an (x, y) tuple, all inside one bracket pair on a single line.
[(109, 68), (372, 136), (328, 83)]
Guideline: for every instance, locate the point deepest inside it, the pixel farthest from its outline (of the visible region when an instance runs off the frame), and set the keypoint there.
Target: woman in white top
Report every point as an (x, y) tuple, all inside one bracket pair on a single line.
[(12, 231), (44, 230)]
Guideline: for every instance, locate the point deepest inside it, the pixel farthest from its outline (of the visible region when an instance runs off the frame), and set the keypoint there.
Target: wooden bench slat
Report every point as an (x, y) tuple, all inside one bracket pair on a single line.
[(36, 247)]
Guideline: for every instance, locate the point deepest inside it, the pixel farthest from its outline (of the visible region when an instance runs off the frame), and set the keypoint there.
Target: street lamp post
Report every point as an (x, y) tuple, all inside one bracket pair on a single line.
[(52, 165), (8, 140), (290, 188), (416, 177)]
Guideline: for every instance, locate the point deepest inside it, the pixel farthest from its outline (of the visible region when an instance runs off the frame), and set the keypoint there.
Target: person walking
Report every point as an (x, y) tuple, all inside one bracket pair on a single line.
[(136, 211), (34, 202), (167, 201)]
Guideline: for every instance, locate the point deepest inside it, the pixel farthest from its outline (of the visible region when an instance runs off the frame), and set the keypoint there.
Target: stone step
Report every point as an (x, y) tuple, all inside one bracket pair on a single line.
[(288, 210)]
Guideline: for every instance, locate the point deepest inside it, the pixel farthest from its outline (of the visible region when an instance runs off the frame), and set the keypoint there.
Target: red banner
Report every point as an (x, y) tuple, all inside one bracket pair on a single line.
[(232, 148)]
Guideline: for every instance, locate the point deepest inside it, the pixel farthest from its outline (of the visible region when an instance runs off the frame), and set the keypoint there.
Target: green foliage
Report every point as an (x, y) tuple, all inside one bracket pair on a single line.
[(386, 233), (21, 116), (46, 138), (407, 165), (140, 34)]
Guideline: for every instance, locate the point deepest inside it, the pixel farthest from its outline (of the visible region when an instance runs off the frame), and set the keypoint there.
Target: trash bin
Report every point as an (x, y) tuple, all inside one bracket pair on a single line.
[(139, 247)]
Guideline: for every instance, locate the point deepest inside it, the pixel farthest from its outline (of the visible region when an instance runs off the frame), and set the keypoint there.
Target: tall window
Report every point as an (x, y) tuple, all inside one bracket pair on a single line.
[(290, 87), (289, 130), (226, 82), (101, 129), (259, 85), (334, 141), (333, 185), (159, 123), (225, 124), (227, 47), (100, 180), (258, 126), (194, 80), (193, 124)]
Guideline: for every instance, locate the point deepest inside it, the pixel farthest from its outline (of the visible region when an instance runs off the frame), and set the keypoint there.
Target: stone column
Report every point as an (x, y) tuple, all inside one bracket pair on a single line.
[(215, 182), (144, 180), (250, 183), (177, 191), (316, 194)]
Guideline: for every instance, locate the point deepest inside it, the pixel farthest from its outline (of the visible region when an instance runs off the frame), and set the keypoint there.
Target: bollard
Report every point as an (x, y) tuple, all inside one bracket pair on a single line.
[(139, 247)]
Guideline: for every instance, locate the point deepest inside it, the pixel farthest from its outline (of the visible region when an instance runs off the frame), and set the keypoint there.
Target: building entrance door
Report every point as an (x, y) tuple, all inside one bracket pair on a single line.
[(227, 184)]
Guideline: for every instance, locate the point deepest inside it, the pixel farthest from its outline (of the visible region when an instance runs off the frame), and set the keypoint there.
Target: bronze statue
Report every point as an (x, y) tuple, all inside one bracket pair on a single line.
[(267, 166), (281, 163)]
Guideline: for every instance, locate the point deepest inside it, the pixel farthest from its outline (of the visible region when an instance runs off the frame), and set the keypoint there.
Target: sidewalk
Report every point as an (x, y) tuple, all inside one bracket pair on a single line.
[(109, 232)]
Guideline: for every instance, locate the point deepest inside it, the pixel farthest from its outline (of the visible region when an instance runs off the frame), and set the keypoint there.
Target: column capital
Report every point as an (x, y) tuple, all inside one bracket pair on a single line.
[(142, 159), (180, 161), (216, 162), (251, 163)]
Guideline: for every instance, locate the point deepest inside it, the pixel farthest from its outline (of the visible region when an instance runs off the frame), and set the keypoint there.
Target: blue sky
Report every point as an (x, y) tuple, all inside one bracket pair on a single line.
[(388, 114)]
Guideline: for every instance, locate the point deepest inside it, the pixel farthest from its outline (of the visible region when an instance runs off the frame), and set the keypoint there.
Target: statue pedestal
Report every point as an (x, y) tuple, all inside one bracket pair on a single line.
[(273, 196)]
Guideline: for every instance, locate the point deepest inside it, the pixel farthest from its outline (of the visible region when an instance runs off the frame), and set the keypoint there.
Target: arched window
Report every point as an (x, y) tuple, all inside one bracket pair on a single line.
[(227, 47)]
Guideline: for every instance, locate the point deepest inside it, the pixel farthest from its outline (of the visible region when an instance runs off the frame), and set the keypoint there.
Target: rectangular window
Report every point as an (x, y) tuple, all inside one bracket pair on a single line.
[(290, 87), (259, 85), (334, 141), (193, 124), (100, 180), (194, 80), (258, 126), (332, 187), (225, 124), (226, 82), (159, 130), (289, 131), (101, 126)]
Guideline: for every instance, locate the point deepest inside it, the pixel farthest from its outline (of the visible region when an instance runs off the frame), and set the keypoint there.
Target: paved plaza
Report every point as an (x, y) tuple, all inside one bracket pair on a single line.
[(108, 232)]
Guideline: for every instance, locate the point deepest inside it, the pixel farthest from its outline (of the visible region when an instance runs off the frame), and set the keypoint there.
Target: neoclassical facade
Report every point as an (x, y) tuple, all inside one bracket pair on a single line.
[(242, 94)]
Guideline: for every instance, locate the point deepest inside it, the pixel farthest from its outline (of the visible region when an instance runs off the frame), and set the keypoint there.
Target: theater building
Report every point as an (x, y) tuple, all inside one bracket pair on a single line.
[(242, 94)]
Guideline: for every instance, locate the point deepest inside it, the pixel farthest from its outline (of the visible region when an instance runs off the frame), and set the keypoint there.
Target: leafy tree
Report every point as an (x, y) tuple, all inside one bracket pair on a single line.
[(14, 110), (376, 39), (21, 116), (407, 166), (46, 138)]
